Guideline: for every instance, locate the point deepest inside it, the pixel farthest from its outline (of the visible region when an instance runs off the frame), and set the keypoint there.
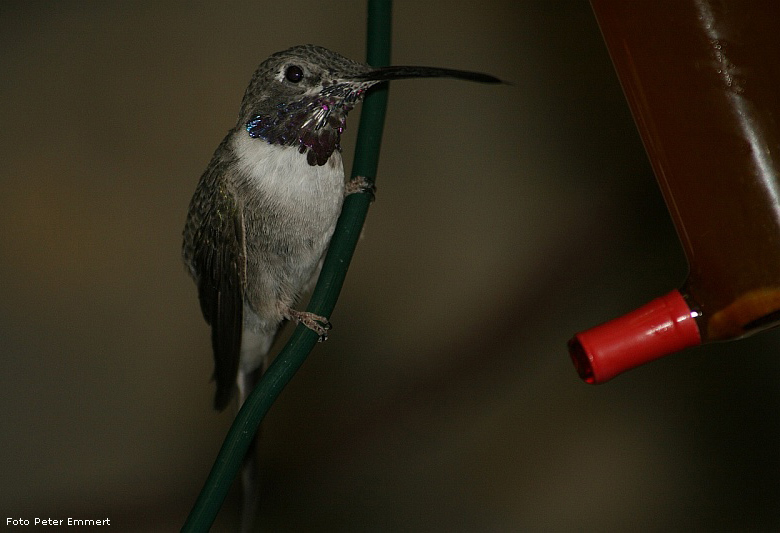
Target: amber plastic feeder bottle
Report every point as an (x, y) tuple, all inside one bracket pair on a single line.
[(702, 79)]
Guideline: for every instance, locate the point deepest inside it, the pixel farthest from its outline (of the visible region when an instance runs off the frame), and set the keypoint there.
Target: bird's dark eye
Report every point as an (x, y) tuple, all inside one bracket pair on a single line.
[(293, 74)]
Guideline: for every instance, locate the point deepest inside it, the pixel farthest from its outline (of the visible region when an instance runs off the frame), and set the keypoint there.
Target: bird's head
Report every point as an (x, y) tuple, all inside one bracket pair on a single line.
[(301, 97)]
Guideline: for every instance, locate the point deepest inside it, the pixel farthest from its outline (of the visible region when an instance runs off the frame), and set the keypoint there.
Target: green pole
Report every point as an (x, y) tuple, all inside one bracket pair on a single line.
[(323, 300)]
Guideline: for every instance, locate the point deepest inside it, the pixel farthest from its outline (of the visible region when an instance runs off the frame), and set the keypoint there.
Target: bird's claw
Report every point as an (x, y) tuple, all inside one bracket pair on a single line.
[(318, 324), (361, 184)]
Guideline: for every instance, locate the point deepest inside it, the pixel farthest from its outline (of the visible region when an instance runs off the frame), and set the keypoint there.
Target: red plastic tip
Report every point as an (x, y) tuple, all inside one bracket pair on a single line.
[(660, 327)]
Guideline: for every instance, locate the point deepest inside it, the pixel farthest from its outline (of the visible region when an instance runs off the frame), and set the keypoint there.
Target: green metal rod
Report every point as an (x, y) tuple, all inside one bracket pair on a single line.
[(323, 300)]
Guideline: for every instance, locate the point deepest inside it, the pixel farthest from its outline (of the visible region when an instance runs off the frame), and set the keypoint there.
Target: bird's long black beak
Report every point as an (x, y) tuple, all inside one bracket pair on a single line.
[(398, 73)]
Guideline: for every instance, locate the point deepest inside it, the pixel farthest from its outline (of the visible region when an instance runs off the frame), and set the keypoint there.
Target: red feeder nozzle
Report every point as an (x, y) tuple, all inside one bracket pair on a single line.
[(661, 327)]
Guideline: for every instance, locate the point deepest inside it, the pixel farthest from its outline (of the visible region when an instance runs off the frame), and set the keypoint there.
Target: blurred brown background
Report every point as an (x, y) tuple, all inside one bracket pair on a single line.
[(507, 218)]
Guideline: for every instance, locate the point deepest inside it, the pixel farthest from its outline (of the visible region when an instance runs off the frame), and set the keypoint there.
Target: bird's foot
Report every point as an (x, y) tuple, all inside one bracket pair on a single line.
[(361, 184), (318, 324)]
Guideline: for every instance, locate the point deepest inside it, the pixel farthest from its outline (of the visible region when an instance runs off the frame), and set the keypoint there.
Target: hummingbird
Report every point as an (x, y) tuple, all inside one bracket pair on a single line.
[(264, 210), (263, 213)]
